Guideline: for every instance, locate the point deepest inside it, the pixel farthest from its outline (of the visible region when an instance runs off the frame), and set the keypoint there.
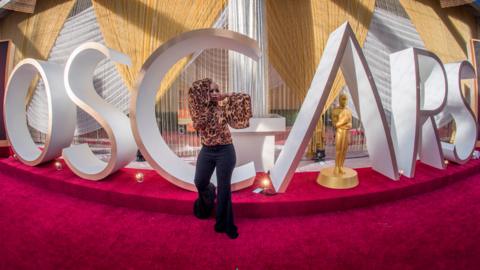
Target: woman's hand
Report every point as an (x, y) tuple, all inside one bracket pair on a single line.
[(219, 96)]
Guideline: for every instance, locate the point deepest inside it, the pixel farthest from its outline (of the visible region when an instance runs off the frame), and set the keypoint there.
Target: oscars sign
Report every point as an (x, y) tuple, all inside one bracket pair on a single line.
[(425, 94)]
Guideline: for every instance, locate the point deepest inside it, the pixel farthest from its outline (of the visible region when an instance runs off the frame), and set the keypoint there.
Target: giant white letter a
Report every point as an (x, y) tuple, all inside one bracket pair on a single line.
[(342, 51)]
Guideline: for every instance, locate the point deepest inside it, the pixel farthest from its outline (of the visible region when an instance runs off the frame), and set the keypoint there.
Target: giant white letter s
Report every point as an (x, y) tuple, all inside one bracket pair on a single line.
[(79, 86)]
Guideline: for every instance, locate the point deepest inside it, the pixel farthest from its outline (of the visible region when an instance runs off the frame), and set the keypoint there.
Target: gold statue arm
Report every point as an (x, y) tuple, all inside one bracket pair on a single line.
[(344, 120)]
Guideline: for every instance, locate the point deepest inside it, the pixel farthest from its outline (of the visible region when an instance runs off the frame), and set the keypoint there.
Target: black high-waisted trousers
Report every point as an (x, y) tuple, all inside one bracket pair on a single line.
[(221, 157)]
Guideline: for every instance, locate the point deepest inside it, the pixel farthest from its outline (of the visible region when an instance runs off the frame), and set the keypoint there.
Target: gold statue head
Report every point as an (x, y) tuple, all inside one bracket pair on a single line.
[(343, 99)]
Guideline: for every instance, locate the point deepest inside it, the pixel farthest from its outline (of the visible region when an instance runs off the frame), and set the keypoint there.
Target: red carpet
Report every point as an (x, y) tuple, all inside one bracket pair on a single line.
[(303, 196), (40, 229)]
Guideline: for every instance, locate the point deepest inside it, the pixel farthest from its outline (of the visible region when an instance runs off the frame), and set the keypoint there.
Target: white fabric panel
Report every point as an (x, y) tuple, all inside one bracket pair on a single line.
[(388, 33), (245, 75)]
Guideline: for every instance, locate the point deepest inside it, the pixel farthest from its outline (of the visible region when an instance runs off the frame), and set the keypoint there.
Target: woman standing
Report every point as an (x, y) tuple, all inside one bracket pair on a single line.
[(211, 119)]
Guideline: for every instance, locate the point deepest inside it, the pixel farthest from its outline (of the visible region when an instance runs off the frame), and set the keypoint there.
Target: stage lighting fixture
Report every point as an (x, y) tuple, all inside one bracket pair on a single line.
[(139, 177), (58, 165)]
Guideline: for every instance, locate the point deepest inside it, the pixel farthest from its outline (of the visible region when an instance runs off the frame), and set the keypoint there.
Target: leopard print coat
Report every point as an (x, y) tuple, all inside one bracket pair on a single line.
[(211, 119)]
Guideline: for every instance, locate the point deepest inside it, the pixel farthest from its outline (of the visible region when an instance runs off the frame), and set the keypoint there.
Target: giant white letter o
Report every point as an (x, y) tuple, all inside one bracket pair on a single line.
[(61, 112)]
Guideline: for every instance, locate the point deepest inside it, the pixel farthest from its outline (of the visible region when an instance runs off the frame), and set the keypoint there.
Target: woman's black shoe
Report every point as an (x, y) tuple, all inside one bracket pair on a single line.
[(232, 234), (204, 204)]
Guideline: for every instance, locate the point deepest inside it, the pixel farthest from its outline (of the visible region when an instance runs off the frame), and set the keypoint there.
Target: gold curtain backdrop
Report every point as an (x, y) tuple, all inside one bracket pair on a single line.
[(34, 34), (445, 31), (297, 34), (138, 27)]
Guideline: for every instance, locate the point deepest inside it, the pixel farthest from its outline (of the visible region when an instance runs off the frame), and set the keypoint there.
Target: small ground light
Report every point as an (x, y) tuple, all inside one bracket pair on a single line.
[(139, 177), (265, 183), (58, 165), (266, 187), (446, 162)]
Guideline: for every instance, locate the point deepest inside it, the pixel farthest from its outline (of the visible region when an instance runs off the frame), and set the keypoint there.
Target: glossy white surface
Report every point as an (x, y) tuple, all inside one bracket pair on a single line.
[(61, 116), (458, 109), (78, 78), (257, 142), (419, 92)]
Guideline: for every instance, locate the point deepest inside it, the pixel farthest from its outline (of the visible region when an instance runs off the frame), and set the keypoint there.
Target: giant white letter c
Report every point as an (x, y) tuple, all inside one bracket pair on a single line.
[(142, 106)]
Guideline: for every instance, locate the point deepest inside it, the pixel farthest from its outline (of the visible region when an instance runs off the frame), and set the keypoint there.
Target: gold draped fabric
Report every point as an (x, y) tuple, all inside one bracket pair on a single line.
[(297, 34), (138, 27), (34, 34), (445, 31)]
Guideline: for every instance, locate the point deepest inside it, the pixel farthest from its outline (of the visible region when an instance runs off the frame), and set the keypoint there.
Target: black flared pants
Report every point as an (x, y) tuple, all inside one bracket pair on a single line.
[(221, 157)]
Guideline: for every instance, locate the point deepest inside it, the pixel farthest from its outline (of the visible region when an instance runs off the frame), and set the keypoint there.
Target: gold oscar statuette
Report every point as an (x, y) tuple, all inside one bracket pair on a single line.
[(340, 177)]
